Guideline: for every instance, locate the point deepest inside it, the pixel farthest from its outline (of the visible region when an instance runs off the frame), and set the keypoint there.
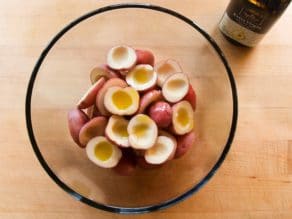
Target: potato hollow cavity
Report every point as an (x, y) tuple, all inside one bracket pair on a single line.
[(122, 100), (103, 150)]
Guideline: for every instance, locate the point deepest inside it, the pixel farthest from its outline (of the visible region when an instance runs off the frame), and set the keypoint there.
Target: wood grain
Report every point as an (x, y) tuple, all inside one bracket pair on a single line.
[(255, 181)]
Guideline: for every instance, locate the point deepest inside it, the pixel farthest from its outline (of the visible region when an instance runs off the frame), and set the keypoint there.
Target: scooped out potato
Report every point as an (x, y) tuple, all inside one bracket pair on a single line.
[(184, 143), (142, 78), (162, 151), (103, 153), (175, 87), (95, 127), (102, 71), (145, 57), (100, 96), (121, 58), (76, 120), (161, 113), (142, 132), (116, 131), (166, 68), (182, 117), (172, 137), (127, 164)]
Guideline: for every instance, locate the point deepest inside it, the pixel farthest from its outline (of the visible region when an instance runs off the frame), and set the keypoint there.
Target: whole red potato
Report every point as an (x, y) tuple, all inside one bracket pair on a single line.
[(76, 120)]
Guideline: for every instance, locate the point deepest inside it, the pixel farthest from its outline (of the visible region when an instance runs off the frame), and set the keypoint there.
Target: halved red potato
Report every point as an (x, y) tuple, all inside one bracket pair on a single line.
[(116, 131), (184, 143), (102, 71), (76, 120), (142, 132), (148, 98), (121, 101), (121, 58), (142, 77), (166, 68), (113, 82), (163, 150), (89, 97), (145, 57), (175, 87), (103, 153), (182, 117), (95, 127)]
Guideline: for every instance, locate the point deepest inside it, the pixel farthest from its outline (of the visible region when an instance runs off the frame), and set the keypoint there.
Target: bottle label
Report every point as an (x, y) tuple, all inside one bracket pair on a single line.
[(256, 15), (239, 33)]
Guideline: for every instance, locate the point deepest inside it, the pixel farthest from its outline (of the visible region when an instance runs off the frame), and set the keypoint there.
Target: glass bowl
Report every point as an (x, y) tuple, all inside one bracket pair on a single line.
[(61, 75)]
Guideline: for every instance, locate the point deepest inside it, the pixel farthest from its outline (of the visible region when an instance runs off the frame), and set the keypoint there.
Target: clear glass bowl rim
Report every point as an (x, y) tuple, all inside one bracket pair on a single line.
[(135, 210)]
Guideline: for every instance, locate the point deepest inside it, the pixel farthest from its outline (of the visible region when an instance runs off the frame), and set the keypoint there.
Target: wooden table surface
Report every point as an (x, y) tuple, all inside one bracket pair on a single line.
[(255, 181)]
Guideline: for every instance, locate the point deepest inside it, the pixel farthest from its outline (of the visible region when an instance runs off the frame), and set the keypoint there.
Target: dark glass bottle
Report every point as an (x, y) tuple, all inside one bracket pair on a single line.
[(245, 22)]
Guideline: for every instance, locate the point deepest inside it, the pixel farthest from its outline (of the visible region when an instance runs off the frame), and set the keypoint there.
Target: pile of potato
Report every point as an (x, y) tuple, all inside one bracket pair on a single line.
[(136, 113)]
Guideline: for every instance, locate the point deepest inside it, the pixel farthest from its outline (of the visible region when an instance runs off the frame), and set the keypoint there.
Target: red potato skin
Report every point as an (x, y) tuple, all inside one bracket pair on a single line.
[(127, 164), (89, 98), (145, 57), (76, 120), (184, 143), (161, 113), (94, 127), (148, 98), (191, 97)]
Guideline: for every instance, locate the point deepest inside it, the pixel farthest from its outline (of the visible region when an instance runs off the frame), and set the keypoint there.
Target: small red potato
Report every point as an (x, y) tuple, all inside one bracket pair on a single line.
[(76, 120), (161, 113), (182, 117), (100, 96), (167, 134), (145, 57), (184, 143), (102, 71), (95, 127), (166, 68), (148, 98), (121, 58), (89, 97)]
